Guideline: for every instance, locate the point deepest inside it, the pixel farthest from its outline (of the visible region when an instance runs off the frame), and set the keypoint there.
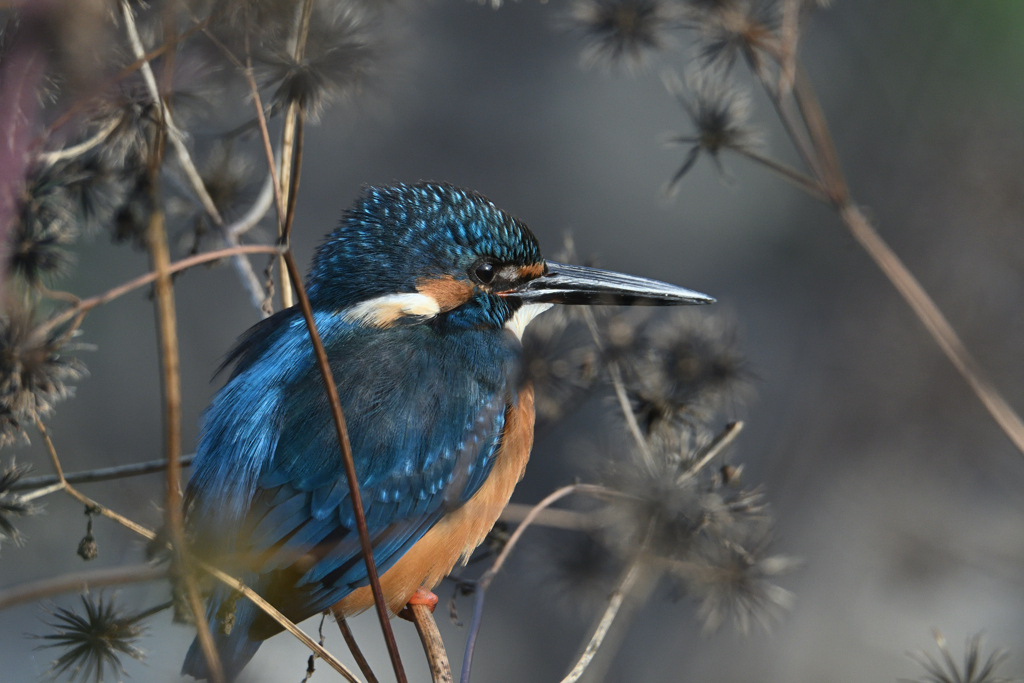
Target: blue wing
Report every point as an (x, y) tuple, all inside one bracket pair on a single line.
[(269, 484)]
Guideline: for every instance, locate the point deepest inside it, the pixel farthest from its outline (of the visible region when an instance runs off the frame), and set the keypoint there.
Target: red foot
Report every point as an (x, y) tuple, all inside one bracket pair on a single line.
[(420, 597), (424, 597)]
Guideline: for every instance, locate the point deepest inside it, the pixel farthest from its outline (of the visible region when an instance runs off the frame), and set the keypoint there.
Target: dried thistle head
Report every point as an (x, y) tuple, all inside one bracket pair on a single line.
[(975, 669), (34, 372), (689, 368), (93, 641), (340, 51), (624, 31), (729, 28), (720, 115), (734, 582), (12, 504), (44, 229)]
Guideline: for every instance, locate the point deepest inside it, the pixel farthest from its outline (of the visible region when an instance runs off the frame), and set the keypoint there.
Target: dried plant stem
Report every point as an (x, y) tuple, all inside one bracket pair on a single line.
[(174, 134), (86, 305), (221, 576), (484, 582), (31, 591), (82, 147), (284, 621), (353, 647), (177, 139), (37, 484), (167, 332), (717, 445), (288, 136), (293, 190), (615, 373), (823, 160), (791, 175), (350, 468), (81, 498), (936, 324), (433, 646), (629, 579)]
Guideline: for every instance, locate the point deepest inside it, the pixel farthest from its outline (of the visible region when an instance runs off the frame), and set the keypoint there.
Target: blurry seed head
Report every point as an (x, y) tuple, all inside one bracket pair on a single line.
[(45, 228), (228, 176), (624, 31), (733, 582), (720, 115), (131, 116), (729, 28), (581, 569), (690, 367), (976, 667), (131, 220), (12, 505), (94, 640), (34, 371), (340, 52)]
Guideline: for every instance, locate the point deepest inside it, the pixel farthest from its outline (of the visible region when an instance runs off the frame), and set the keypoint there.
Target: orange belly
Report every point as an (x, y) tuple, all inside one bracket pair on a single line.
[(458, 533)]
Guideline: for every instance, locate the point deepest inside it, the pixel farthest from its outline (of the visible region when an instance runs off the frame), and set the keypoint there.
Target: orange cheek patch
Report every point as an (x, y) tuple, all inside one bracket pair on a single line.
[(448, 292), (531, 271)]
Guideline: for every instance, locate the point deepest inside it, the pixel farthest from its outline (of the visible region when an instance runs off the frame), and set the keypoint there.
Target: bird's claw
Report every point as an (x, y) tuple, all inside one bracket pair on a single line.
[(420, 597)]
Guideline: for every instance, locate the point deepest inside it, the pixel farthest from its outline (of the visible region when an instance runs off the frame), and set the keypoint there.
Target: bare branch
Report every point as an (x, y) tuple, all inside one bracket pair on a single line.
[(350, 468), (353, 647), (614, 603), (433, 646), (78, 582)]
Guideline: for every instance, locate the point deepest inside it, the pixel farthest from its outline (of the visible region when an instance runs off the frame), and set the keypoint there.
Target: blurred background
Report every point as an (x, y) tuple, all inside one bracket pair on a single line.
[(883, 470)]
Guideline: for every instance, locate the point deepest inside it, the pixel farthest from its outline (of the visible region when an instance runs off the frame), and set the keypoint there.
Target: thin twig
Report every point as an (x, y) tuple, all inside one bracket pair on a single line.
[(293, 190), (39, 493), (353, 647), (481, 585), (288, 136), (30, 591), (515, 513), (170, 364), (433, 645), (174, 134), (86, 305), (615, 373), (789, 33), (101, 474), (614, 603), (787, 173), (82, 147), (936, 324), (896, 271), (717, 445), (218, 574), (350, 468), (80, 497)]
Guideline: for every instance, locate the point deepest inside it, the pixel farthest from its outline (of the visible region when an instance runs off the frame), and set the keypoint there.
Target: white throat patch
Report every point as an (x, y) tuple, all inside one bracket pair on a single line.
[(527, 312)]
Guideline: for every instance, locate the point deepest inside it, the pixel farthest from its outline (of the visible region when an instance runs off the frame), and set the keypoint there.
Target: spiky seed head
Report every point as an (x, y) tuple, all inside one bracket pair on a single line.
[(94, 640)]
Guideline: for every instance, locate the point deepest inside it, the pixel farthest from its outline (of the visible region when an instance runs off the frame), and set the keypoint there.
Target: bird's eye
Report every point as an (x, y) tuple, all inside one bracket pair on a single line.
[(485, 272)]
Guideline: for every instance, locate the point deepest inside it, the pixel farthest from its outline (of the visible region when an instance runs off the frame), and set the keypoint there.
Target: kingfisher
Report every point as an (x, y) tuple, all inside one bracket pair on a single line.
[(421, 297)]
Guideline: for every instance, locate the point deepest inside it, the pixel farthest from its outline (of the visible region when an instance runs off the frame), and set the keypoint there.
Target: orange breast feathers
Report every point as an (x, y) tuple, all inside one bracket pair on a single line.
[(458, 533)]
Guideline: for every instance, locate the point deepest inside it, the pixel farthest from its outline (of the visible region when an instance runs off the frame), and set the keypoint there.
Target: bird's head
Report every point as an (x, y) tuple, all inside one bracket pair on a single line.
[(407, 254)]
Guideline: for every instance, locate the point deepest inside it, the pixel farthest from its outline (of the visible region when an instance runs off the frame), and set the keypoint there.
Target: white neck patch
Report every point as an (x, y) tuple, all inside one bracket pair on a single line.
[(527, 312), (384, 311)]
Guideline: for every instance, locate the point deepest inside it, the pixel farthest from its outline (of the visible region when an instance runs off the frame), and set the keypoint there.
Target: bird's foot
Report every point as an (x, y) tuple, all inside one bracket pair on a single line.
[(420, 597)]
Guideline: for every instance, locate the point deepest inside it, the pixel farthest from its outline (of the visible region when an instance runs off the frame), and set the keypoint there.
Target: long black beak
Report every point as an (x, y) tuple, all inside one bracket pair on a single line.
[(564, 284)]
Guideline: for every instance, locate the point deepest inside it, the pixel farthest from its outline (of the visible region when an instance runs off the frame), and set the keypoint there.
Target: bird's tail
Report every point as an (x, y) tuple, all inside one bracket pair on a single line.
[(235, 648)]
